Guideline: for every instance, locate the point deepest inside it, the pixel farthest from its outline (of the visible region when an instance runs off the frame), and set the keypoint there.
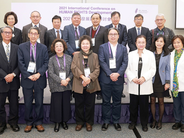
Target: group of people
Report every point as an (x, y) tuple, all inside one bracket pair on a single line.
[(88, 62)]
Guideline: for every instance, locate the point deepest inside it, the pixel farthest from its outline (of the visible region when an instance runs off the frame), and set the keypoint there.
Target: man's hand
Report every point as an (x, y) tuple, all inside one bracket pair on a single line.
[(114, 76), (9, 78)]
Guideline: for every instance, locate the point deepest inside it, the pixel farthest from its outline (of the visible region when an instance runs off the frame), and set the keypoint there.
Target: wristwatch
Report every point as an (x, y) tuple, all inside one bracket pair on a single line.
[(14, 74)]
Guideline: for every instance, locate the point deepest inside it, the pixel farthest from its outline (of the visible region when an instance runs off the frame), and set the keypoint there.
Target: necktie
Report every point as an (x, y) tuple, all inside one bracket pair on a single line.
[(7, 52), (116, 26), (76, 34), (94, 28), (35, 26), (33, 50), (58, 36), (139, 32)]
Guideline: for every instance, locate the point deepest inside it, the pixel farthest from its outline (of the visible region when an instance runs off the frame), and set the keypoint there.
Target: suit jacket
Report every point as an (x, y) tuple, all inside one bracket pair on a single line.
[(132, 34), (180, 72), (123, 37), (16, 38), (69, 37), (121, 63), (41, 64), (148, 72), (164, 68), (77, 81), (50, 36), (100, 38), (25, 29), (9, 67)]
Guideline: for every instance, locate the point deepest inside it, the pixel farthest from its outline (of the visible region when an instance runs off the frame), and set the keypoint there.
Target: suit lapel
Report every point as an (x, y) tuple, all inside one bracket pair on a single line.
[(117, 52), (135, 32), (2, 52), (72, 31), (53, 33), (161, 60), (37, 51), (11, 53)]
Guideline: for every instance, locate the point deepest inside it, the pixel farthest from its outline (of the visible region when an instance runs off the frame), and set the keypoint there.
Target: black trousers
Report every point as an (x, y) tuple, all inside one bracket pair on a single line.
[(60, 108), (84, 107), (13, 106), (141, 101)]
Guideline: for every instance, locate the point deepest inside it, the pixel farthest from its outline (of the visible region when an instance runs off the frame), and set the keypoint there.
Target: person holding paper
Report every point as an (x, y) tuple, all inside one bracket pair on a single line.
[(59, 76), (72, 34), (113, 61), (140, 71), (85, 68), (33, 63)]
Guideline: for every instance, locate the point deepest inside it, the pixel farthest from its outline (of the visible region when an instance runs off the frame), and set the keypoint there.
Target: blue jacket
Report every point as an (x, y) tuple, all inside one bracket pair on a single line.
[(121, 63)]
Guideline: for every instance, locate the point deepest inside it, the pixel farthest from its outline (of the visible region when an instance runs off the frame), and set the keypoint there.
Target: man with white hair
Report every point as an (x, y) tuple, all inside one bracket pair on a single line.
[(161, 29)]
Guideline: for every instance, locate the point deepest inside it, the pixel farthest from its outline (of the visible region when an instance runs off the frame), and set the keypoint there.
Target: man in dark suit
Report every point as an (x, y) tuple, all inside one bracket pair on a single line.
[(33, 63), (115, 18), (35, 18), (72, 33), (138, 30), (98, 34), (53, 33), (113, 61), (9, 80)]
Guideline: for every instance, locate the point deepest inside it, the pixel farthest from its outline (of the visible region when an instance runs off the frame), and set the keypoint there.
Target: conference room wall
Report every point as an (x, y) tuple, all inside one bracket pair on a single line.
[(164, 6)]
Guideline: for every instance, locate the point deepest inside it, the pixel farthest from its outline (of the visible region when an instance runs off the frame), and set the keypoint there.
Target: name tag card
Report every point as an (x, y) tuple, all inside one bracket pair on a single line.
[(77, 44), (93, 41), (62, 75), (112, 63), (87, 71), (31, 67)]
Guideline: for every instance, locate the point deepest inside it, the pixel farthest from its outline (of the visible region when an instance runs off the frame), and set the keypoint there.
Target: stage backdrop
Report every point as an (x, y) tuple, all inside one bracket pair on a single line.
[(65, 10)]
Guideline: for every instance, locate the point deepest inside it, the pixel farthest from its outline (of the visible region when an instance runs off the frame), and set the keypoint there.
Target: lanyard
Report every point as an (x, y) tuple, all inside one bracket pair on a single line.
[(84, 65), (96, 31), (59, 63), (31, 52), (110, 54)]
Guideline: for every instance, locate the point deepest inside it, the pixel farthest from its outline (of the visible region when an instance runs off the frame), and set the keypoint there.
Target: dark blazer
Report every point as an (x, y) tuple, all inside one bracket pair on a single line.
[(50, 36), (132, 34), (100, 38), (121, 63), (123, 37), (17, 38), (25, 29), (69, 37), (9, 67), (41, 64)]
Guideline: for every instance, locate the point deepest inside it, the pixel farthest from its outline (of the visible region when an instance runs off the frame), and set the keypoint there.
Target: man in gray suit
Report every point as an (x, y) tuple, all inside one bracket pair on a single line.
[(72, 33), (35, 18), (53, 33)]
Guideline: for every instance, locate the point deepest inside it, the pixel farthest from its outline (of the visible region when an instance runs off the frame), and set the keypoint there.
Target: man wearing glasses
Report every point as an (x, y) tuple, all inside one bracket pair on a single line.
[(161, 29), (138, 30), (33, 63), (35, 18)]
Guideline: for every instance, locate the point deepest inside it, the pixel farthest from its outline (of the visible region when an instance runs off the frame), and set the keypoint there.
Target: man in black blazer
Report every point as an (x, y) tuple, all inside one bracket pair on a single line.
[(33, 63), (98, 34), (35, 18), (9, 80), (53, 33), (138, 30), (72, 33), (115, 18)]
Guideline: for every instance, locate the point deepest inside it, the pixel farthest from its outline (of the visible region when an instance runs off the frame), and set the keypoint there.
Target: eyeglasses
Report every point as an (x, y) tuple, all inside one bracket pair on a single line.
[(7, 33), (113, 34), (35, 16), (35, 34), (159, 20), (138, 19)]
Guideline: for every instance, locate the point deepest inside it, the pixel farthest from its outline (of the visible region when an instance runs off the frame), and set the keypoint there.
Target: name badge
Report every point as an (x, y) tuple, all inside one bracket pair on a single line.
[(112, 63), (77, 44), (62, 75), (87, 71), (31, 67), (93, 41)]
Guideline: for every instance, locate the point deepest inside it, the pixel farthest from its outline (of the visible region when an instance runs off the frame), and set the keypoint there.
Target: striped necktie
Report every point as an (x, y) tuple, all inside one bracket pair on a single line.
[(7, 52)]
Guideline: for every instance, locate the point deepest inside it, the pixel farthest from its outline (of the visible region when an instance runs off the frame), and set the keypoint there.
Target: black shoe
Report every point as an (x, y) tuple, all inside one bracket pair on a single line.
[(117, 127), (182, 128), (144, 128), (2, 128), (154, 123), (99, 97), (15, 128), (64, 125), (159, 125), (123, 95), (105, 126), (176, 126), (56, 128), (71, 97), (131, 126)]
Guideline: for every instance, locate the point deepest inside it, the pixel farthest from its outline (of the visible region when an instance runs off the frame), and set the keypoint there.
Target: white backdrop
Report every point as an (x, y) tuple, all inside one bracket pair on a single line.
[(65, 10)]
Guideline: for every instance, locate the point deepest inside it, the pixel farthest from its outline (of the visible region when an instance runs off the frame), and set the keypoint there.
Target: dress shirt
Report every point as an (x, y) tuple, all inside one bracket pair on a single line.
[(137, 29), (59, 32), (115, 25), (38, 40), (113, 48), (5, 46)]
